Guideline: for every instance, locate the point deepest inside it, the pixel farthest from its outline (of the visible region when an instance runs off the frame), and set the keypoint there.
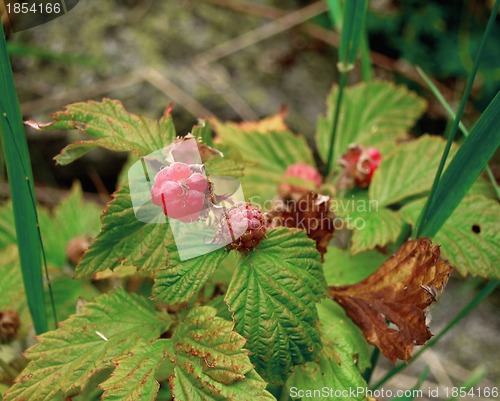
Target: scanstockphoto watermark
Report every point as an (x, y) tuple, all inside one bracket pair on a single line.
[(436, 392), (352, 393)]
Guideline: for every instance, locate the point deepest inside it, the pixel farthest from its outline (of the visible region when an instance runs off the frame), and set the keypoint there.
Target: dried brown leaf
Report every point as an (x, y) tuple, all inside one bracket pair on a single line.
[(389, 305)]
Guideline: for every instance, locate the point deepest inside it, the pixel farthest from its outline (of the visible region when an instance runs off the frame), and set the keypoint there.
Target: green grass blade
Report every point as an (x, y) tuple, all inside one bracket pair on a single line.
[(21, 186), (435, 91), (352, 30), (428, 210), (475, 378), (469, 161), (335, 13)]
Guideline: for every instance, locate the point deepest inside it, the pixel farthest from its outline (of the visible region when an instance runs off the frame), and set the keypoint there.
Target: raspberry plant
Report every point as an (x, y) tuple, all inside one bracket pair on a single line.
[(279, 304)]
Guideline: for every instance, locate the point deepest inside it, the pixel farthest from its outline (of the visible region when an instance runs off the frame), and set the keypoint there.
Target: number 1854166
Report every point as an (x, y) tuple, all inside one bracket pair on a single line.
[(33, 8), (462, 392)]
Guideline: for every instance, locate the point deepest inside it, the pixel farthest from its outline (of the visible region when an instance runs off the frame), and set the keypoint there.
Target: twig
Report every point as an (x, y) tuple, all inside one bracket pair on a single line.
[(99, 184), (250, 38), (178, 95), (219, 79), (330, 37), (258, 10), (437, 369), (57, 100)]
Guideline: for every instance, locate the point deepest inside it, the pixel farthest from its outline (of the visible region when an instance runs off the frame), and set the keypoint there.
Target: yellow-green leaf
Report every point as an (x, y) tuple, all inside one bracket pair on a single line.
[(113, 128), (211, 363)]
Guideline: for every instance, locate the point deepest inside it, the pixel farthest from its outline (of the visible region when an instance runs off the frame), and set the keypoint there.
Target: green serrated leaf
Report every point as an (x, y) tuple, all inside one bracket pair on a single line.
[(345, 352), (124, 239), (66, 292), (374, 228), (12, 288), (470, 237), (63, 361), (272, 297), (222, 166), (482, 187), (343, 268), (211, 363), (343, 332), (123, 176), (372, 225), (179, 281), (203, 132), (268, 155), (11, 285), (73, 217), (463, 171), (113, 127), (373, 114), (134, 376), (7, 226), (407, 172)]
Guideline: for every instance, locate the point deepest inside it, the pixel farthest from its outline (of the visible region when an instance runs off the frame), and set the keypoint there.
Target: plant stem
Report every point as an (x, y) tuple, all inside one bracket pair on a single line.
[(338, 105), (487, 290), (422, 219)]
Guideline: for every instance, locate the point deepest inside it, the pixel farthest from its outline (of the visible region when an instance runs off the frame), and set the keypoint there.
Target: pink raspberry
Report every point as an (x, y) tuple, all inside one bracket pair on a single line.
[(180, 191), (244, 227), (360, 163), (303, 172)]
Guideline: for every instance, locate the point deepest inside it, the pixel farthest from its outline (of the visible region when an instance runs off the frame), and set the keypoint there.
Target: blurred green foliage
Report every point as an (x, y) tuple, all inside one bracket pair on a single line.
[(442, 37)]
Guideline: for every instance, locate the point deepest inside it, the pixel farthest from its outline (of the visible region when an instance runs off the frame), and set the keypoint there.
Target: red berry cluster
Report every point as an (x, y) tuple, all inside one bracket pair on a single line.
[(244, 227), (180, 191), (183, 193)]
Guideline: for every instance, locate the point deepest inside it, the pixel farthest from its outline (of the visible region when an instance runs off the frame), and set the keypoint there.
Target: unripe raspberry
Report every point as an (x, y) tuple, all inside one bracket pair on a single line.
[(306, 175), (359, 165), (9, 325), (76, 247), (244, 227), (180, 192)]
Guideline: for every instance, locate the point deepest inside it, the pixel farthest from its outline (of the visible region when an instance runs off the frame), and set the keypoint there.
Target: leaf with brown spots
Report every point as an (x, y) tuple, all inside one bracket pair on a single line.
[(211, 363), (397, 294), (134, 377), (111, 127), (64, 361)]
